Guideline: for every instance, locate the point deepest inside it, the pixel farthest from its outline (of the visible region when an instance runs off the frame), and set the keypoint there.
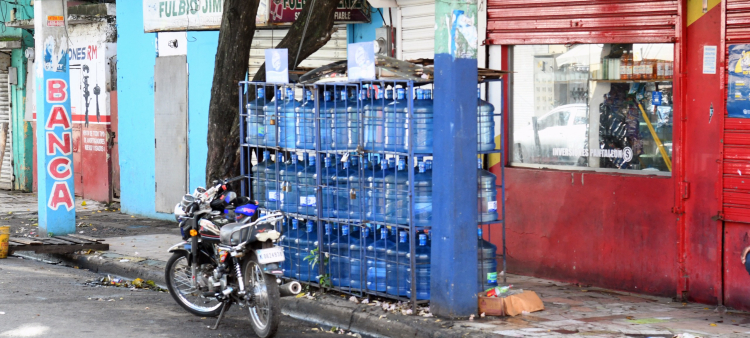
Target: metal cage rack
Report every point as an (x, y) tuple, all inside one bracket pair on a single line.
[(350, 166)]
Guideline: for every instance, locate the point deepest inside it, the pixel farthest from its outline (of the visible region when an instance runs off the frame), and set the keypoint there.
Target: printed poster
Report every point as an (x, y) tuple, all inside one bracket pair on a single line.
[(738, 91), (277, 65), (361, 61)]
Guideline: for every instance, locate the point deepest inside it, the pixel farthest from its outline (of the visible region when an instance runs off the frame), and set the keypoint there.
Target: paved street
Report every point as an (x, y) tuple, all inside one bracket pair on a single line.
[(45, 300)]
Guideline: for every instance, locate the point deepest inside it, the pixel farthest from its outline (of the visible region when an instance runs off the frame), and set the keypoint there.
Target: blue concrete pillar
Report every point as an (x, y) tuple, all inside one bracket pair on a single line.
[(54, 126), (454, 232)]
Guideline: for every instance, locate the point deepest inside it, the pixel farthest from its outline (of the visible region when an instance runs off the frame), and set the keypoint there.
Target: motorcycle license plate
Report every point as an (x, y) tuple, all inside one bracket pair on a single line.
[(270, 255)]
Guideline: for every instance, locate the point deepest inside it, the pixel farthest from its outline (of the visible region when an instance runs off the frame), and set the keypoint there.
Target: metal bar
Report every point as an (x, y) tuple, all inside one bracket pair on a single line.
[(243, 170), (412, 226), (318, 181), (503, 147)]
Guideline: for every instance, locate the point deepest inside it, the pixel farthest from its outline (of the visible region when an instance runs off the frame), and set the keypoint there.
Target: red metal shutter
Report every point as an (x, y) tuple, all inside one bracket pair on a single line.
[(517, 22), (736, 152)]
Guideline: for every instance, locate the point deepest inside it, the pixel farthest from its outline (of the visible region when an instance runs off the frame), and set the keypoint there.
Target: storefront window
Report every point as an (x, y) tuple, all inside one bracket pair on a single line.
[(602, 107)]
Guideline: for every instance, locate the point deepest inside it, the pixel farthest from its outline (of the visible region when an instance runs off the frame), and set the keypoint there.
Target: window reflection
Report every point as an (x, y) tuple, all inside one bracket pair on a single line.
[(593, 106)]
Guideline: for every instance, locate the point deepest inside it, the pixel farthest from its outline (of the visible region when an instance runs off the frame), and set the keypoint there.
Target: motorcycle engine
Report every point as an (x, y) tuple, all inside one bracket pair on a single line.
[(218, 281)]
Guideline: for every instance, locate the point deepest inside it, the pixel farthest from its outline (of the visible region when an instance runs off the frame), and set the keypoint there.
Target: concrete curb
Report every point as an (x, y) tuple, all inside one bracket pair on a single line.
[(326, 310)]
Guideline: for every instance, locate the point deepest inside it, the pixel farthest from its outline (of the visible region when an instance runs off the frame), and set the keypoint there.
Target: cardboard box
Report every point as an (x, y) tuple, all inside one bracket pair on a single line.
[(527, 301)]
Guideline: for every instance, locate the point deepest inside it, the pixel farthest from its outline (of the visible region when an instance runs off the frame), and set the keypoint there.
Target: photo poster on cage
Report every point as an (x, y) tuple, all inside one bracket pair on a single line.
[(360, 61), (738, 93), (277, 65)]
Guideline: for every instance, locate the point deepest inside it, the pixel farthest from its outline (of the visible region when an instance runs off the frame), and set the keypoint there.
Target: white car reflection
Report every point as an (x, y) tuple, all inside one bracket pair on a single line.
[(565, 127)]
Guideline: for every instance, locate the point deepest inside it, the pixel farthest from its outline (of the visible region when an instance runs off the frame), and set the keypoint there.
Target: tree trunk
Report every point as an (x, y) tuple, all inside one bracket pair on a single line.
[(232, 57), (223, 152)]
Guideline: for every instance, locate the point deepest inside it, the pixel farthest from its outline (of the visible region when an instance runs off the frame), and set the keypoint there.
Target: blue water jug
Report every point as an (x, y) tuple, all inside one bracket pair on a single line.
[(376, 191), (422, 121), (422, 194), (290, 242), (485, 124), (305, 114), (333, 124), (285, 241), (357, 248), (306, 243), (290, 184), (375, 259), (395, 121), (354, 118), (396, 265), (356, 194), (346, 191), (288, 120), (341, 257), (373, 121), (486, 256), (397, 195), (328, 174), (272, 111), (273, 186), (369, 168), (422, 258), (258, 178), (256, 129), (306, 178), (487, 202), (330, 235)]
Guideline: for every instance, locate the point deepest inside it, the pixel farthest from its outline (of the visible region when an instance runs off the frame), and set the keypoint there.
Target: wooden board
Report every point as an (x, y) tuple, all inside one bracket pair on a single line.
[(87, 238), (57, 244), (26, 241)]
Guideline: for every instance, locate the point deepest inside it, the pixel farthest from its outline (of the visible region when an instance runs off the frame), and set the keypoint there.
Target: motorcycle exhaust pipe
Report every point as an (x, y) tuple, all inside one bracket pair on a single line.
[(290, 289)]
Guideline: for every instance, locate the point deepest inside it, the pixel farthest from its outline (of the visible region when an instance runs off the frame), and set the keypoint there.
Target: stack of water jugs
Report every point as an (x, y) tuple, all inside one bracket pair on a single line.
[(365, 203)]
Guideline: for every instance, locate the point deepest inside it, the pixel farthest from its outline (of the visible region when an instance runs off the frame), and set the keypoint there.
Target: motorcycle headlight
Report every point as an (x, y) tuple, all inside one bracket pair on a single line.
[(178, 212), (186, 201)]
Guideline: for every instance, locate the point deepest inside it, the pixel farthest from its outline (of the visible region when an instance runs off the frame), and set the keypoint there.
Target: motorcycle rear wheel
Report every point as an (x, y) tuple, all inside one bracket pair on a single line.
[(178, 276), (265, 314)]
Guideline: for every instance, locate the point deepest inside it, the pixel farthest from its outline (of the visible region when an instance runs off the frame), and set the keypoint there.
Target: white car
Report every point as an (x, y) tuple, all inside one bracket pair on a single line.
[(564, 128)]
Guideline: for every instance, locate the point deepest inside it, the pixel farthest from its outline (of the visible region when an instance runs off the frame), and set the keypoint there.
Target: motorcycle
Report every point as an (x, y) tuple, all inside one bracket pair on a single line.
[(226, 258)]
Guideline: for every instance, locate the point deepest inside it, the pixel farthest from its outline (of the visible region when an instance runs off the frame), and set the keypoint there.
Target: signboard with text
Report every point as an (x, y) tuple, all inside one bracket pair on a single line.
[(55, 134), (181, 15), (286, 11), (171, 15)]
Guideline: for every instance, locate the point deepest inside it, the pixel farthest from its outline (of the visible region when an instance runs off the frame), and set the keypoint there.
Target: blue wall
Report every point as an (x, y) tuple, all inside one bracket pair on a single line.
[(135, 69), (365, 31), (136, 53), (201, 60)]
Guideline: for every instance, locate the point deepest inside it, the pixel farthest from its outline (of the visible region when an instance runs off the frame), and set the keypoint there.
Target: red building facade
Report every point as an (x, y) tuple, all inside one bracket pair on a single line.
[(667, 220)]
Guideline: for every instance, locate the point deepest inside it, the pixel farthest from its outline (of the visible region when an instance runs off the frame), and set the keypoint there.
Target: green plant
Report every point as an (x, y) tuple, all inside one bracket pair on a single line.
[(313, 258), (325, 280)]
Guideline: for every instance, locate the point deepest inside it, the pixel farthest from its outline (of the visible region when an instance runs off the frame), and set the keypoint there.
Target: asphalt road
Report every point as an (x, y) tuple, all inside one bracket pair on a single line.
[(45, 300)]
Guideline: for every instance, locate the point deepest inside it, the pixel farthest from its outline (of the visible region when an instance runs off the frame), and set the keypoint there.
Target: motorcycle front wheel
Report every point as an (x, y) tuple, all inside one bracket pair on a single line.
[(178, 276), (265, 314)]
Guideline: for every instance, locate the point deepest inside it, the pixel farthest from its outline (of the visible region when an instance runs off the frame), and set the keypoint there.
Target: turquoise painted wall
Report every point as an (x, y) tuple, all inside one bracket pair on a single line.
[(136, 56), (23, 137), (363, 32), (135, 87), (201, 59), (135, 69)]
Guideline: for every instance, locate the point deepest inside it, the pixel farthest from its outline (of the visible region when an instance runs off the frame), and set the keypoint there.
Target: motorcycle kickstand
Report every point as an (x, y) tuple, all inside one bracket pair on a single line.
[(221, 315)]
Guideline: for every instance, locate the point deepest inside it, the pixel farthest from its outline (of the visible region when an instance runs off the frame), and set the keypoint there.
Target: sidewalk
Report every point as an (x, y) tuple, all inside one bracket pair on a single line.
[(138, 250)]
